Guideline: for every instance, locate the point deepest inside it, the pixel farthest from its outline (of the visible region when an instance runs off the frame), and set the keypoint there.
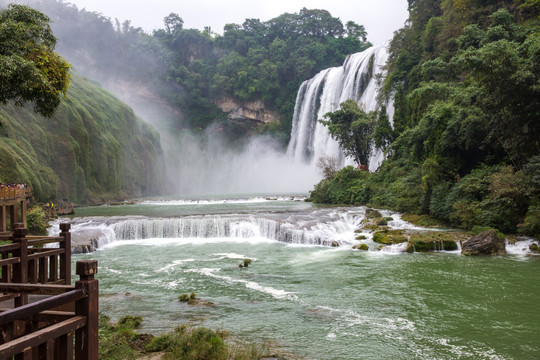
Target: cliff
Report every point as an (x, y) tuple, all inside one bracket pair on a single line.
[(93, 149)]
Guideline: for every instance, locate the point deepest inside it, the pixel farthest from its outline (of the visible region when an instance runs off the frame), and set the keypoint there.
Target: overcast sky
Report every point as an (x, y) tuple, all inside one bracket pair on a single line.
[(380, 17)]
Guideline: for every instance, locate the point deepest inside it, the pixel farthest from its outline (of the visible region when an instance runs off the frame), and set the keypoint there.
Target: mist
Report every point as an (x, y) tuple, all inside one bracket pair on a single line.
[(205, 163), (260, 166)]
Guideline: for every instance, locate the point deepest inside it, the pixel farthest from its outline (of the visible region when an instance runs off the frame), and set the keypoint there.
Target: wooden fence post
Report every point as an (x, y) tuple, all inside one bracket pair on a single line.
[(65, 258), (86, 338), (20, 270)]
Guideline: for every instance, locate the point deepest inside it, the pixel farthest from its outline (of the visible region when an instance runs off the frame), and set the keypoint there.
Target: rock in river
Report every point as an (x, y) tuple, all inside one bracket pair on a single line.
[(485, 243)]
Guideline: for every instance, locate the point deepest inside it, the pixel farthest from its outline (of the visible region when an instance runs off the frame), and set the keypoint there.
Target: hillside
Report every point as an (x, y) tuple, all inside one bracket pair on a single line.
[(92, 150), (464, 145)]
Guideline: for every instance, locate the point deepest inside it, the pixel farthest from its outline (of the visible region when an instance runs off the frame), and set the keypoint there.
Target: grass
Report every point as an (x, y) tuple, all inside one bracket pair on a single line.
[(120, 341)]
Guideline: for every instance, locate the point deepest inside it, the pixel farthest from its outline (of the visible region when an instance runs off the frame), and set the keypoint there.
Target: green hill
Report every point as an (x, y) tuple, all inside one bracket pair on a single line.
[(464, 149), (93, 149)]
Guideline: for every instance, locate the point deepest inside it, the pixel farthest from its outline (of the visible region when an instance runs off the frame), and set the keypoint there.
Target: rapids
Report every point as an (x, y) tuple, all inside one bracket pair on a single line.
[(299, 293)]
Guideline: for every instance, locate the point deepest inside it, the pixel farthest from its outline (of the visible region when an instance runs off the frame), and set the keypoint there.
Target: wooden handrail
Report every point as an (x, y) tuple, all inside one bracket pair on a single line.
[(29, 310), (42, 336), (35, 289)]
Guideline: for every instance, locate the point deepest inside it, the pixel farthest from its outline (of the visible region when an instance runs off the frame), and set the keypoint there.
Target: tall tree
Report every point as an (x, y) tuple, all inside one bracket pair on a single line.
[(30, 70), (353, 128)]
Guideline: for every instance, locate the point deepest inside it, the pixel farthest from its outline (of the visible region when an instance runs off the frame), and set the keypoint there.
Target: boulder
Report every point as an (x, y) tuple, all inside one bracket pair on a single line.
[(372, 213), (362, 247), (335, 243), (485, 243)]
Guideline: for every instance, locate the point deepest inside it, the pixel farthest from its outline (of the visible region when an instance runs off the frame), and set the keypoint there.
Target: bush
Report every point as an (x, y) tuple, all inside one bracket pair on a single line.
[(115, 344), (37, 221), (531, 223)]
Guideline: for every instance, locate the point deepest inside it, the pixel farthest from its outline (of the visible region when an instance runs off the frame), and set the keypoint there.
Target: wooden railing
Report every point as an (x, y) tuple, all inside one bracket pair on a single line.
[(14, 193), (43, 313)]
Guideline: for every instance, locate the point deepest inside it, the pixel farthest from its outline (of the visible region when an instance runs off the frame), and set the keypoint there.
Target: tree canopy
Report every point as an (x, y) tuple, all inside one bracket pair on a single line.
[(353, 128), (30, 70)]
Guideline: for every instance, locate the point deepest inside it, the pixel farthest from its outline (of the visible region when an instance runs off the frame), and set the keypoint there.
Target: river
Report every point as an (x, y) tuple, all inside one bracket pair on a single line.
[(302, 295)]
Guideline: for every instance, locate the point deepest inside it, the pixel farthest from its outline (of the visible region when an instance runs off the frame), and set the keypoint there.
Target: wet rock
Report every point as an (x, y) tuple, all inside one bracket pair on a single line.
[(485, 243), (334, 244), (362, 247), (372, 213), (389, 237), (85, 240), (534, 247)]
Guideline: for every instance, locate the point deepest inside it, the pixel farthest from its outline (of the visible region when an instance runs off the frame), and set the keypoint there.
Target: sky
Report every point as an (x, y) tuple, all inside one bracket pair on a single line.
[(380, 17)]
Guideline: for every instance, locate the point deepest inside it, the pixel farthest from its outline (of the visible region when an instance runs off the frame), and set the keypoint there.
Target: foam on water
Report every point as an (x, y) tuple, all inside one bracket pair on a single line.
[(195, 202), (276, 293), (521, 247)]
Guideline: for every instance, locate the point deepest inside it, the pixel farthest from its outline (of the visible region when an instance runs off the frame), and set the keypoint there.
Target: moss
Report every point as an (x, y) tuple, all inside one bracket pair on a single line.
[(436, 240), (372, 213), (389, 237), (361, 237), (363, 247), (93, 148)]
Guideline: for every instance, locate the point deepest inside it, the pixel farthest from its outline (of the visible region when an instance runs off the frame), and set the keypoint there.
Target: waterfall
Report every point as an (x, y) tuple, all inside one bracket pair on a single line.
[(355, 79)]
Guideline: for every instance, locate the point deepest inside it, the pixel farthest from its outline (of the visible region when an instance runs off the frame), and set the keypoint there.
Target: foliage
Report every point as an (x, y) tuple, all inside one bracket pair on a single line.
[(93, 149), (37, 221), (115, 343), (192, 70), (353, 130), (30, 70)]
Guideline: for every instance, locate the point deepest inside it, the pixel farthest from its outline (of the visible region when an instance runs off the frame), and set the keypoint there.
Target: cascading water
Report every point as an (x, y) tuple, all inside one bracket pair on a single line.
[(357, 80)]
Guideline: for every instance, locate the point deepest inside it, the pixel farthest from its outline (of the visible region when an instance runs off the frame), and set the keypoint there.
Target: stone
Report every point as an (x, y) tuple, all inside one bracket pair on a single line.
[(335, 244), (362, 247), (372, 213), (485, 243)]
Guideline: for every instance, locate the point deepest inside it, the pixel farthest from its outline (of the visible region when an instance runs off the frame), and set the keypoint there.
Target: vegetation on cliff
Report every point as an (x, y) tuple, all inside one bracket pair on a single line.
[(464, 148), (92, 149), (192, 70)]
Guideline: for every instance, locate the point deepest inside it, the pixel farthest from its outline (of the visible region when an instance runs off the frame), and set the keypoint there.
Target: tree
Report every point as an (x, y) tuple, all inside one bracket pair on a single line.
[(30, 70), (353, 128), (173, 22)]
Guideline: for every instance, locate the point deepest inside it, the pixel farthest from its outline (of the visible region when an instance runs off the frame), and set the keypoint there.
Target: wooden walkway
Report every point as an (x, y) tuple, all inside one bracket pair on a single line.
[(42, 316)]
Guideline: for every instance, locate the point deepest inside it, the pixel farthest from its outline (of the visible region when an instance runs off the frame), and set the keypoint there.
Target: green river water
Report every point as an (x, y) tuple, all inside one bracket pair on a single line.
[(315, 301)]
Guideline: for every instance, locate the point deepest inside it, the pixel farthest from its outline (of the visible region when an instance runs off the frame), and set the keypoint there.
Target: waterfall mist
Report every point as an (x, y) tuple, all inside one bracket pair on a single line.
[(204, 163)]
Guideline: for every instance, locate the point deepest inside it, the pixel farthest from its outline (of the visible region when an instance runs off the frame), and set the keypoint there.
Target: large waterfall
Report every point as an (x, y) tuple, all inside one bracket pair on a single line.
[(356, 79)]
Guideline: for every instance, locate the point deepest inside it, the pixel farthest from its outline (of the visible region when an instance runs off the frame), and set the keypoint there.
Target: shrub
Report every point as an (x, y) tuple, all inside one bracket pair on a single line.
[(37, 221), (130, 322), (184, 298), (531, 223)]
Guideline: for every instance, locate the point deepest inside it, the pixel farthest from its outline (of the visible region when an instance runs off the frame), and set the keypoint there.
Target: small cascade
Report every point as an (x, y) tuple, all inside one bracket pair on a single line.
[(302, 230), (356, 79)]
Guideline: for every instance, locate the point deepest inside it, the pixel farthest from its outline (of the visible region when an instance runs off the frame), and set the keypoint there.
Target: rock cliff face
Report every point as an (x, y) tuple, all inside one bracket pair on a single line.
[(249, 111)]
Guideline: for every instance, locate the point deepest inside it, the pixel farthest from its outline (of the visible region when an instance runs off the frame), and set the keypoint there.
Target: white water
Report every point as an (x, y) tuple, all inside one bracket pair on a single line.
[(323, 93)]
